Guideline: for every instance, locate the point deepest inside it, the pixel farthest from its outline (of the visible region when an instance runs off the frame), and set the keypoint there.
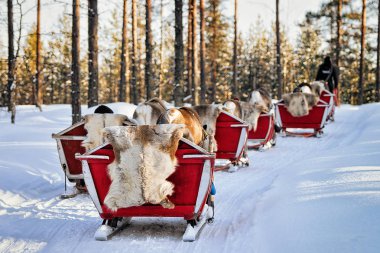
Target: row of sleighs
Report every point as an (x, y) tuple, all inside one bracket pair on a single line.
[(88, 149), (191, 198)]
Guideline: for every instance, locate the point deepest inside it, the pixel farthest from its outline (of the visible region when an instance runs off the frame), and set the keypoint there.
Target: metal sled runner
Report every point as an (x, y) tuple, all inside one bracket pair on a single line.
[(264, 136), (231, 137), (192, 179), (315, 120)]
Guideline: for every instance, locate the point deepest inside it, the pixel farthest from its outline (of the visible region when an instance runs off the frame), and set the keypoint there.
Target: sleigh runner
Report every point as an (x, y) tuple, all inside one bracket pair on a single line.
[(231, 136), (192, 181), (264, 136)]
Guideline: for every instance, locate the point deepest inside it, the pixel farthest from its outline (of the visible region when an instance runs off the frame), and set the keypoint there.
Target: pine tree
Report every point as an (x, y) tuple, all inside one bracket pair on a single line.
[(148, 48), (123, 89), (218, 53), (93, 78), (11, 63), (362, 51), (75, 54), (234, 59), (378, 55), (178, 72), (39, 90), (194, 56), (278, 51), (338, 31), (189, 51), (202, 52), (308, 48), (134, 63)]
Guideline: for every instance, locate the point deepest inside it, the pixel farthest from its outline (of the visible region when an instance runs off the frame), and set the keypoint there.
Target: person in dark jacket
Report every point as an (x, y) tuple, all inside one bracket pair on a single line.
[(328, 73)]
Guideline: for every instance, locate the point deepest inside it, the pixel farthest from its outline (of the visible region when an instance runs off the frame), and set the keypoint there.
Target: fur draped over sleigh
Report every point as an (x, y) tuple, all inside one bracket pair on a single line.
[(94, 124), (144, 159)]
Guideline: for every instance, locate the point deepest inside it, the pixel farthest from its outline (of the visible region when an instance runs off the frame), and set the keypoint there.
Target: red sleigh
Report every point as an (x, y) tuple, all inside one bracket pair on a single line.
[(231, 136), (315, 120), (264, 134), (68, 144), (192, 179)]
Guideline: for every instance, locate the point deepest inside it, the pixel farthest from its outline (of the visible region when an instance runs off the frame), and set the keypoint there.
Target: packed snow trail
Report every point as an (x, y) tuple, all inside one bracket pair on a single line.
[(304, 195)]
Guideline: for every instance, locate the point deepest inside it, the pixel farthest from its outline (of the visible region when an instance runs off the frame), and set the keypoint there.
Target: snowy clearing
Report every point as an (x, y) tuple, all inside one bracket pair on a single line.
[(304, 195)]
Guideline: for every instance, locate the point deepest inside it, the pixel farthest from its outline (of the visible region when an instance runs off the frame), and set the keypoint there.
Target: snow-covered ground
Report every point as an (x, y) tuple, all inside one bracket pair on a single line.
[(304, 195)]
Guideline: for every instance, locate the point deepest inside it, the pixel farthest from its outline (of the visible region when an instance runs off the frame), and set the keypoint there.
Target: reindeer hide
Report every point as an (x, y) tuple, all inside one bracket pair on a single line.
[(144, 159), (94, 124)]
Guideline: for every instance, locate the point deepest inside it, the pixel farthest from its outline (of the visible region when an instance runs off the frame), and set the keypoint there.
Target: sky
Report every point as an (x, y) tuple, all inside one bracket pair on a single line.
[(291, 13)]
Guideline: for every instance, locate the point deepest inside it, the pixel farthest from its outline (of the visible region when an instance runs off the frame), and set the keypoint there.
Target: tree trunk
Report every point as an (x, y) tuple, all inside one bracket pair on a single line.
[(38, 90), (278, 47), (148, 48), (194, 58), (362, 52), (11, 65), (123, 90), (160, 85), (93, 79), (134, 54), (75, 66), (378, 56), (202, 52), (338, 39), (189, 49), (213, 53), (338, 32), (178, 59), (251, 82), (234, 61)]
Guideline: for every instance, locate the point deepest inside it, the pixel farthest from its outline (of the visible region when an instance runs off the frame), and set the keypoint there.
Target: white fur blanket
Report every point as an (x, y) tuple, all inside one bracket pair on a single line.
[(94, 124), (144, 159)]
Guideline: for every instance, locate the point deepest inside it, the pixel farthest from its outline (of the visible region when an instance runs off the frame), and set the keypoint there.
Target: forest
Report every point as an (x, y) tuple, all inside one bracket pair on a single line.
[(180, 51)]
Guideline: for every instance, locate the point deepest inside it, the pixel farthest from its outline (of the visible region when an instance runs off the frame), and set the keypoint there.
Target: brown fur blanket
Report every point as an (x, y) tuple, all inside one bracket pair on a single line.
[(144, 159)]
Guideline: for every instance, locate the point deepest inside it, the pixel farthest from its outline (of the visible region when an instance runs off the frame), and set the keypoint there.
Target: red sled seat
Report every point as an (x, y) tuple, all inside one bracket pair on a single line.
[(264, 133), (231, 137), (192, 179), (315, 120), (69, 143)]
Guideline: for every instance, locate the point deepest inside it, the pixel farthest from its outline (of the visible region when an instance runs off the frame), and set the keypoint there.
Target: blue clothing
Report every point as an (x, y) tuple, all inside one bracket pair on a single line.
[(213, 190)]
